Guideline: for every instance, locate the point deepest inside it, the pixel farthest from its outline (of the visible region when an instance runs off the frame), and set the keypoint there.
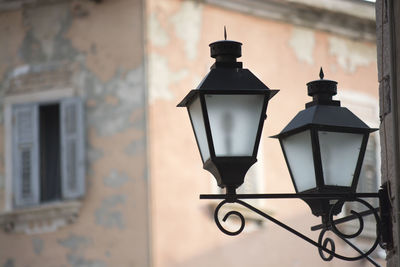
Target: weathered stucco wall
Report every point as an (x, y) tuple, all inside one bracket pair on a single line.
[(285, 57), (388, 43), (97, 50)]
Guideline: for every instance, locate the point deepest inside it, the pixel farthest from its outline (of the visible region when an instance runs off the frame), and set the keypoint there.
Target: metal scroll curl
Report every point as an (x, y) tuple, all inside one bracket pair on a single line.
[(326, 246), (333, 226), (227, 215)]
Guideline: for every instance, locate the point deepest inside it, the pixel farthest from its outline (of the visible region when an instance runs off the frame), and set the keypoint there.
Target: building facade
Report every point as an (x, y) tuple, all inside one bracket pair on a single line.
[(119, 184), (78, 198)]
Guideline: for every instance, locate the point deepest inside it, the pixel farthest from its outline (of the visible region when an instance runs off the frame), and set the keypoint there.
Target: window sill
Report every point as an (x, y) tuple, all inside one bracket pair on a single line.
[(40, 219)]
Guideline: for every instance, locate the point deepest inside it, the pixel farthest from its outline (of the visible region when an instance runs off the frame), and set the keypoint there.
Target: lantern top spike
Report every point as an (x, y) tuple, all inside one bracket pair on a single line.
[(322, 91), (225, 35), (226, 51)]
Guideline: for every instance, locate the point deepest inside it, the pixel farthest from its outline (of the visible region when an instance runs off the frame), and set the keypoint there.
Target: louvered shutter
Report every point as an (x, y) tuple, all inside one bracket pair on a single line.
[(26, 155), (72, 148)]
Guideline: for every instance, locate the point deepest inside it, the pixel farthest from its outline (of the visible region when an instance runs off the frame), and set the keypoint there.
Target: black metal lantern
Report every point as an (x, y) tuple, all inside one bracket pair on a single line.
[(324, 147), (227, 112)]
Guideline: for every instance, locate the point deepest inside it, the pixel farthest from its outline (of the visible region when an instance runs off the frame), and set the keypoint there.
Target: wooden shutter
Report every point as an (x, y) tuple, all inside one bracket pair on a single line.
[(26, 155), (72, 148)]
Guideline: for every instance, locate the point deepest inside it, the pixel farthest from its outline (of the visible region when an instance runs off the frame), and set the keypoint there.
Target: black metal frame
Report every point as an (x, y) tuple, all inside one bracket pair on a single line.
[(381, 215), (228, 77), (221, 167), (325, 114), (323, 207), (314, 129)]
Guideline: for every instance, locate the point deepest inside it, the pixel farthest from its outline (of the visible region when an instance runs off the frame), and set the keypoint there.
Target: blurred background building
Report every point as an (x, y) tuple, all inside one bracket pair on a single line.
[(99, 168)]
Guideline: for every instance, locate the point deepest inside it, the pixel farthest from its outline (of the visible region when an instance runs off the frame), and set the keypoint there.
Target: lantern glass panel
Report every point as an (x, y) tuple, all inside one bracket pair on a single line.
[(339, 155), (234, 122), (298, 151), (196, 116)]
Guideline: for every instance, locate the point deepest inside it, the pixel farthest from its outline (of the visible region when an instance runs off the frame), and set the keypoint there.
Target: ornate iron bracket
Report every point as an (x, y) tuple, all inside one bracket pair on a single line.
[(326, 246)]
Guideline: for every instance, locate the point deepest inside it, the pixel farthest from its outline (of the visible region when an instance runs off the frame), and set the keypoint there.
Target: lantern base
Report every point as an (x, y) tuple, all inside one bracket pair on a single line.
[(229, 171), (323, 207)]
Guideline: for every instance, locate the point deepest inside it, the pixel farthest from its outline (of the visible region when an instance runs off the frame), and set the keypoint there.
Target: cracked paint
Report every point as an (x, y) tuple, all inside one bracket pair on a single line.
[(107, 215), (45, 39), (116, 179), (96, 52), (38, 245), (135, 148), (74, 242), (80, 261), (351, 54), (110, 118), (158, 36), (161, 77), (188, 25), (94, 154), (111, 17), (45, 23), (11, 26), (302, 41), (77, 245)]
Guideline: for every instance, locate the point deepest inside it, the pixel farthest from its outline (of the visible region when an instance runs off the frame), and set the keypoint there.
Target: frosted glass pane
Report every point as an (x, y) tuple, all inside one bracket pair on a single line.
[(234, 121), (339, 154), (196, 116), (299, 155)]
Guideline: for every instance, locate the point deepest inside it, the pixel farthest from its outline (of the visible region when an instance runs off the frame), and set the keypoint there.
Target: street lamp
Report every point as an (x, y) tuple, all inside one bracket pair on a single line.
[(227, 112), (324, 147)]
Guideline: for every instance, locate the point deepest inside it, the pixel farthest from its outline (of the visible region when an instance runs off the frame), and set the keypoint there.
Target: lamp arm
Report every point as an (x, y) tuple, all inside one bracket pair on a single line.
[(322, 243)]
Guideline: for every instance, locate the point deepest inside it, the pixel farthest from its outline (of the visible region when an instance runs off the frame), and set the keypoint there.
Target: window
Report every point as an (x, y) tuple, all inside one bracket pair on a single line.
[(48, 152)]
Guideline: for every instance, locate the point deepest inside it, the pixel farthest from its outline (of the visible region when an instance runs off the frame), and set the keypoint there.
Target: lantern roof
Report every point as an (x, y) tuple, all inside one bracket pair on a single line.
[(231, 79), (324, 112), (325, 115), (227, 75)]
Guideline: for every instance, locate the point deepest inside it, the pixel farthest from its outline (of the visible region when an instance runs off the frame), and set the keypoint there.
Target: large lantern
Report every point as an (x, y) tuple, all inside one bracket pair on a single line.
[(227, 112), (324, 146)]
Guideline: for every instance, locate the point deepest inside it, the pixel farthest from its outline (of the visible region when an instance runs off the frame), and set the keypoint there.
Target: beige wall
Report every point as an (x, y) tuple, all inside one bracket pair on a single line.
[(101, 52), (284, 57), (95, 50)]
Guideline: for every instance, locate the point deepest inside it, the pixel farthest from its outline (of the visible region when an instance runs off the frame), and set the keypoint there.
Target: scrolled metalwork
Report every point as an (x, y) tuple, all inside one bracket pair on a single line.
[(345, 236), (326, 246), (324, 243), (227, 215)]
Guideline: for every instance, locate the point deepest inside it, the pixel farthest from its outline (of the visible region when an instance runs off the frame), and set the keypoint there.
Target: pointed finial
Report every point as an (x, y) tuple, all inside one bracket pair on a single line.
[(321, 74), (225, 32)]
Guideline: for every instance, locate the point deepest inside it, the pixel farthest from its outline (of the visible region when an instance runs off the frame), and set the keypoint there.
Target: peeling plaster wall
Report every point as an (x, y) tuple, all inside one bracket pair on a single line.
[(302, 42), (283, 56), (97, 50), (351, 55)]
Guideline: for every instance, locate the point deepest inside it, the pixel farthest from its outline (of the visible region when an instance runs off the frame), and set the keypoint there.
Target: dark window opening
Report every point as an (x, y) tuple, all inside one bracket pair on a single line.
[(50, 162)]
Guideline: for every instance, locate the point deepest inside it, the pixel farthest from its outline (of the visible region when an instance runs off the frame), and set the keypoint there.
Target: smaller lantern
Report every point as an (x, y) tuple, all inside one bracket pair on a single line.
[(324, 146), (227, 112)]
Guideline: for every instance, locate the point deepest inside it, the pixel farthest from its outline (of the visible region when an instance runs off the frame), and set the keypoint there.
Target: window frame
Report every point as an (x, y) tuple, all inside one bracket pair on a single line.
[(43, 97)]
